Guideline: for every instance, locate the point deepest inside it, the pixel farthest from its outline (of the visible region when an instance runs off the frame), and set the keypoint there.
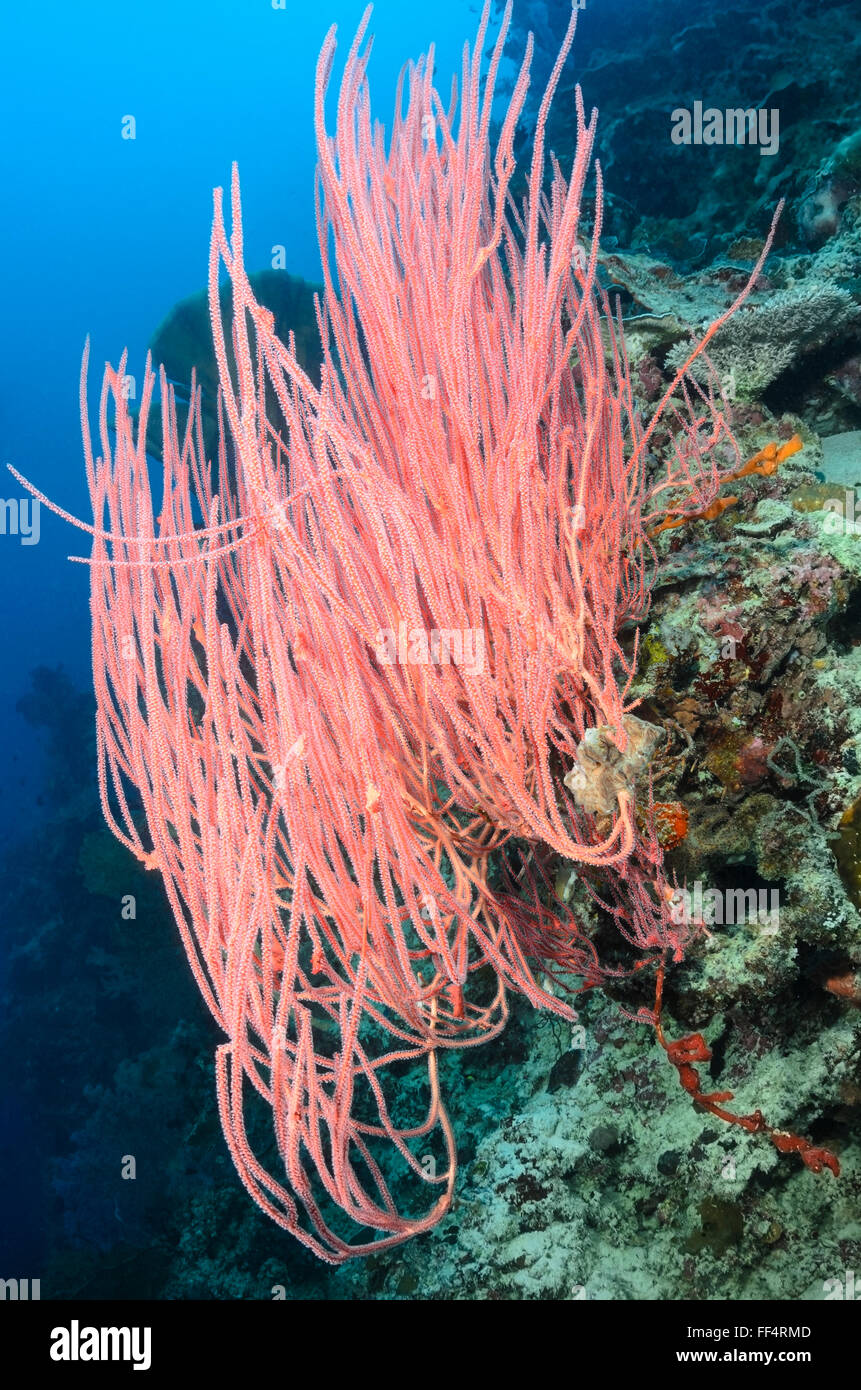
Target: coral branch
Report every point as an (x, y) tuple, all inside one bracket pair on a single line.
[(693, 1048)]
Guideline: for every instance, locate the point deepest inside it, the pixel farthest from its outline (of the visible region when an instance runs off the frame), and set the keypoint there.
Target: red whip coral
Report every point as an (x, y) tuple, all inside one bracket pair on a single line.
[(323, 815)]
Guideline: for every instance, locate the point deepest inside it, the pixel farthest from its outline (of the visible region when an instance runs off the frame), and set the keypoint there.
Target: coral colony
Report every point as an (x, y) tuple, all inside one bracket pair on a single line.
[(357, 847)]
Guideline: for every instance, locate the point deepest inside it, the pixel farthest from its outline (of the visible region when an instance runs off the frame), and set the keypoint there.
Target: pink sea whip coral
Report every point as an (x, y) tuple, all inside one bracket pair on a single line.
[(324, 817)]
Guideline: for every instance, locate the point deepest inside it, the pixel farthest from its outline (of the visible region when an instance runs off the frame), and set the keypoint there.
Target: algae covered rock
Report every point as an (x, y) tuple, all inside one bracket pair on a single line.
[(183, 345)]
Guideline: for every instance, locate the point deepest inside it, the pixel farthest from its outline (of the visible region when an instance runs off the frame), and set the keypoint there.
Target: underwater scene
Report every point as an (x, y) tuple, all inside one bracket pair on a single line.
[(430, 539)]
